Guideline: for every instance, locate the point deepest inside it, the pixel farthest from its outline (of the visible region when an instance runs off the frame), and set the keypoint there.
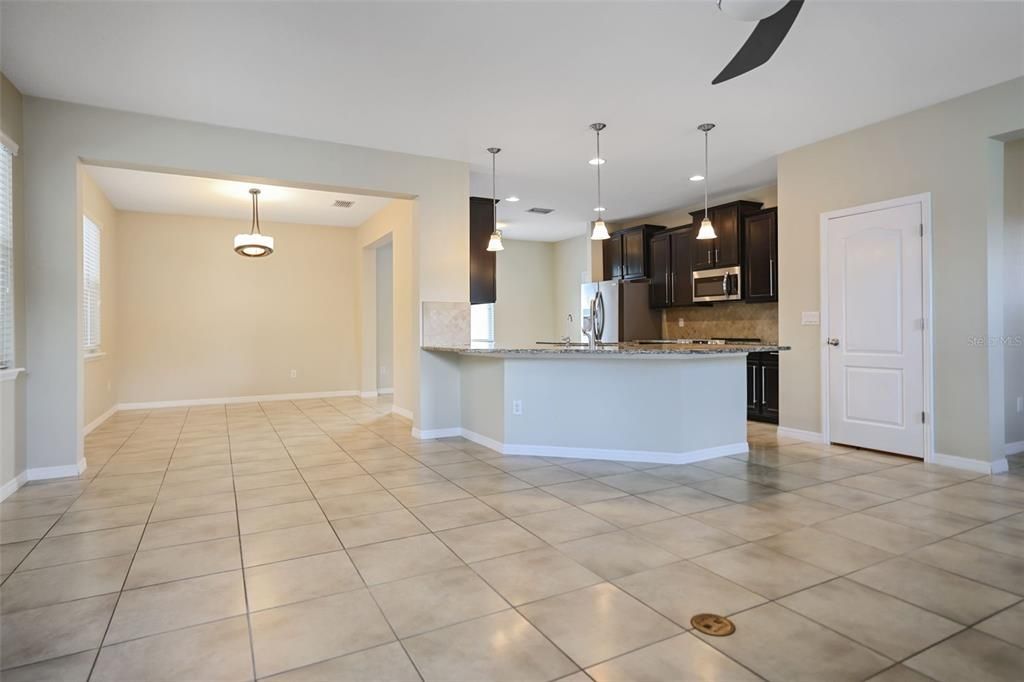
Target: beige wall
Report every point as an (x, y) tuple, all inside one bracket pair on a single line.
[(524, 307), (945, 150), (13, 392), (197, 321), (1014, 289), (572, 268), (101, 369), (59, 134)]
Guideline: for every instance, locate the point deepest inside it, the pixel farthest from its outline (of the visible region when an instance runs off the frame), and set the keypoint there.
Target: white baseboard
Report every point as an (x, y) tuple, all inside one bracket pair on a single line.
[(653, 456), (386, 391), (66, 471), (999, 466), (1014, 448), (234, 400), (12, 485), (402, 412), (800, 434), (98, 421), (368, 394)]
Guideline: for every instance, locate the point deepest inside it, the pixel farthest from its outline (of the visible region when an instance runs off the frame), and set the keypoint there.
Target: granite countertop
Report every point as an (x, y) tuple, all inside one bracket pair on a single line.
[(608, 350)]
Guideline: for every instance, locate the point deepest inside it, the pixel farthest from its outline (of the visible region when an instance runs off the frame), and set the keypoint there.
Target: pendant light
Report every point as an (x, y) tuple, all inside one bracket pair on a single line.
[(707, 230), (494, 243), (255, 244), (600, 230)]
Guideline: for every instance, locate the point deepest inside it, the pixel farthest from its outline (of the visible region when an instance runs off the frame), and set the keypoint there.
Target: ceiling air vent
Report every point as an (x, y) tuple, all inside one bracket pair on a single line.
[(542, 211), (341, 203)]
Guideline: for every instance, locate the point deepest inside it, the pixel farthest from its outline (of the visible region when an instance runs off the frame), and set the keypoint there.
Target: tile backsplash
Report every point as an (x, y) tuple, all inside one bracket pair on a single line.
[(444, 323), (734, 319)]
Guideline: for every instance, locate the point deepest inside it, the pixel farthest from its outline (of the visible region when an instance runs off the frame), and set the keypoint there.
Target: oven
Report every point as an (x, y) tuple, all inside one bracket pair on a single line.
[(720, 284)]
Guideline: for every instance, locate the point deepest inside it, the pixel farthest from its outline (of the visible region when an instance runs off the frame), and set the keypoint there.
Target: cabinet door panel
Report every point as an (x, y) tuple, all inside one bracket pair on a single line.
[(770, 388), (703, 249), (753, 380), (681, 281), (633, 254), (727, 245), (759, 265), (482, 263), (613, 257), (661, 272)]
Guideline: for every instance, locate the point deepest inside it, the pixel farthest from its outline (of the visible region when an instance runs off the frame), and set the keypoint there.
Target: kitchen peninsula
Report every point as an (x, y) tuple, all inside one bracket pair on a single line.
[(667, 403)]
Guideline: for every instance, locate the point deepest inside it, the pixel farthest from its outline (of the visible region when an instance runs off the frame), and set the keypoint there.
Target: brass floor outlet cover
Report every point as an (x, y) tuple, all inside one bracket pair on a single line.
[(713, 624)]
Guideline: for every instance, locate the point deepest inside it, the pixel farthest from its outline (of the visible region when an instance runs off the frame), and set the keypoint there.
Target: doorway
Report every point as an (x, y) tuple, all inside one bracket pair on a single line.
[(876, 327)]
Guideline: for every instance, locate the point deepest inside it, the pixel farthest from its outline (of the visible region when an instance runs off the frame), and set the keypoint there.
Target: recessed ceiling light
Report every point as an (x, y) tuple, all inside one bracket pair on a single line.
[(596, 161), (512, 198), (502, 226), (599, 209), (696, 178)]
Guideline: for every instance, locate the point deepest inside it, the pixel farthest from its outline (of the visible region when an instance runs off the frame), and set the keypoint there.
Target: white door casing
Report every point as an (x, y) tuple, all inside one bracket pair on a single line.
[(874, 295)]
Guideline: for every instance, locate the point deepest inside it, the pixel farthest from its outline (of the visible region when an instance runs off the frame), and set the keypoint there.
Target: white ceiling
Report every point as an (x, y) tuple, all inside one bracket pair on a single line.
[(133, 190), (452, 78)]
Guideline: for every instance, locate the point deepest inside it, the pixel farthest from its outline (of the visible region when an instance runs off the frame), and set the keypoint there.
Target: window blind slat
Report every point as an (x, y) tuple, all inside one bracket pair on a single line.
[(481, 322), (90, 285)]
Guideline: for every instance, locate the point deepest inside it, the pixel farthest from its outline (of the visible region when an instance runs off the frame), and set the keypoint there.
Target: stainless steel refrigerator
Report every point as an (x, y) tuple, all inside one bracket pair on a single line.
[(623, 310)]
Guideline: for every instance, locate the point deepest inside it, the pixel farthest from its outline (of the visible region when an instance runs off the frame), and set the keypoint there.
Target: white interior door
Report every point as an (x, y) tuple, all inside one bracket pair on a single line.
[(876, 330)]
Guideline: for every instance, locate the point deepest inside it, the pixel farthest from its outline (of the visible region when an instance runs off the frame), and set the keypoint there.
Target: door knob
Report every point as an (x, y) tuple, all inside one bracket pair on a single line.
[(832, 342)]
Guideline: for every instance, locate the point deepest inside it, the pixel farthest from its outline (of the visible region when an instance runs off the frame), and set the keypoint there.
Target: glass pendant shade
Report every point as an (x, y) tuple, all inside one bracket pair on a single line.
[(600, 231), (254, 245), (707, 230), (494, 244)]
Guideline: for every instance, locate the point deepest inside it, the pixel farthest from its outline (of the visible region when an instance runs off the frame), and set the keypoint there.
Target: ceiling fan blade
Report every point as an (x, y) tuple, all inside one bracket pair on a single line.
[(762, 43)]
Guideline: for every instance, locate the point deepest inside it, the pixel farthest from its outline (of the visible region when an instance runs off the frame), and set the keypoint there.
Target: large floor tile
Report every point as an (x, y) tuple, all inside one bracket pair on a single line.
[(287, 515), (853, 610), (396, 559), (635, 482), (681, 590), (597, 623), (52, 631), (502, 647), (264, 497), (562, 525), (190, 529), (927, 519), (996, 537), (369, 528), (213, 651), (30, 589), (843, 496), (98, 544), (429, 493), (185, 507), (385, 662), (285, 582), (629, 511), (971, 655), (455, 514), (99, 519), (762, 570), (831, 552), (311, 631), (43, 507), (372, 502), (1007, 625), (947, 594), (684, 499), (184, 561), (749, 523), (526, 501), (735, 489), (583, 492), (436, 600), (20, 530), (613, 555), (534, 574), (886, 535), (169, 606), (683, 657), (288, 543), (73, 668), (488, 540), (992, 568), (686, 537)]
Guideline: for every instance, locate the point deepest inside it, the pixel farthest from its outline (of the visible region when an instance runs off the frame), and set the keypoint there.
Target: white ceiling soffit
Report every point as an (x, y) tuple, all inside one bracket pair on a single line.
[(449, 79), (148, 192)]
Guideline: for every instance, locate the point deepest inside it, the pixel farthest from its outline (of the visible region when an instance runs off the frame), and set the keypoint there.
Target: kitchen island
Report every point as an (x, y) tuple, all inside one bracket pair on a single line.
[(666, 403)]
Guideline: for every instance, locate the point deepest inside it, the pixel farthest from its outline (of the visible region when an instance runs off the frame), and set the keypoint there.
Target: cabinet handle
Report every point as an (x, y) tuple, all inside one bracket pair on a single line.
[(752, 377), (763, 392), (771, 277), (710, 262), (716, 255), (673, 289)]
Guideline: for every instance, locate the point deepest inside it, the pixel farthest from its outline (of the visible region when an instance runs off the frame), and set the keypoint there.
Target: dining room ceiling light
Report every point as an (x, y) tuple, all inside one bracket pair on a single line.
[(254, 244)]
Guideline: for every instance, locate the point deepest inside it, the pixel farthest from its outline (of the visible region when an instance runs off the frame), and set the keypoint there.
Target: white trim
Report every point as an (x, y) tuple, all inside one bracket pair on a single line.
[(654, 456), (66, 471), (402, 412), (800, 434), (94, 355), (10, 374), (12, 485), (1014, 448), (368, 394), (999, 466), (98, 421), (237, 399), (386, 391), (6, 141), (928, 367)]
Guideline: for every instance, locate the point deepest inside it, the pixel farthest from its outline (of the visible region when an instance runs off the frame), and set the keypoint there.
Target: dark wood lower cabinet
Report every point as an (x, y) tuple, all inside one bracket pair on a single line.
[(763, 387)]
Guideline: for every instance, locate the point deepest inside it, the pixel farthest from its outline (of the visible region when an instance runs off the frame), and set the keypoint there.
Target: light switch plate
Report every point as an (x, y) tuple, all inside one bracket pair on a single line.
[(681, 323), (810, 318)]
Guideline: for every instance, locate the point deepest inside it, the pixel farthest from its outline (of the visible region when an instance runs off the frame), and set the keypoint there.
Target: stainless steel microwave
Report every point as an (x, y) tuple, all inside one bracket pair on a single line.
[(720, 284)]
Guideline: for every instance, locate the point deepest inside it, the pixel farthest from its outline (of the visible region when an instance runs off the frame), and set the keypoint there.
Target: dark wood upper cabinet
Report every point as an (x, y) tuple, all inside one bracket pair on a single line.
[(627, 252), (761, 256), (661, 270), (671, 270), (482, 263), (727, 249)]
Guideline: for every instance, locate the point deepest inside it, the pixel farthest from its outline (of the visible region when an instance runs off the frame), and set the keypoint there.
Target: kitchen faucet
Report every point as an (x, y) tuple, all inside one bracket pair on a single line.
[(567, 339)]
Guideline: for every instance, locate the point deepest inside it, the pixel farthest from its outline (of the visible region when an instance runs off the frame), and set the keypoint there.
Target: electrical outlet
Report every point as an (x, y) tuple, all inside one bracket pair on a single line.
[(681, 322), (1020, 404), (294, 373), (517, 407)]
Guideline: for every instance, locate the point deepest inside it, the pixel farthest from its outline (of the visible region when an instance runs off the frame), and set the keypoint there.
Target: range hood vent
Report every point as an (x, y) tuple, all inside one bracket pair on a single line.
[(341, 203), (542, 211)]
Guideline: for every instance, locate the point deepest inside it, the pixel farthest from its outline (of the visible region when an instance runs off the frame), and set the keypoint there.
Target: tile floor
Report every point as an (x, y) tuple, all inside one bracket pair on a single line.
[(316, 540)]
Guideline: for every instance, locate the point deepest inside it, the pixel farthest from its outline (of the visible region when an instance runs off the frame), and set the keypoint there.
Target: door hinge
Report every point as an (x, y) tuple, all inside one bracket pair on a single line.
[(922, 418)]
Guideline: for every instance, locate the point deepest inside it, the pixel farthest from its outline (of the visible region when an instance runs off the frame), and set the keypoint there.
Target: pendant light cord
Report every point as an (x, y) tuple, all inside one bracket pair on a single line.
[(705, 175), (255, 227), (600, 206), (494, 191)]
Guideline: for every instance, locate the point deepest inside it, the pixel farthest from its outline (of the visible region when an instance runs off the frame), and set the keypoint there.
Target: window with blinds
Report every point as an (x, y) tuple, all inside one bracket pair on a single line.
[(481, 322), (6, 258), (90, 286)]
